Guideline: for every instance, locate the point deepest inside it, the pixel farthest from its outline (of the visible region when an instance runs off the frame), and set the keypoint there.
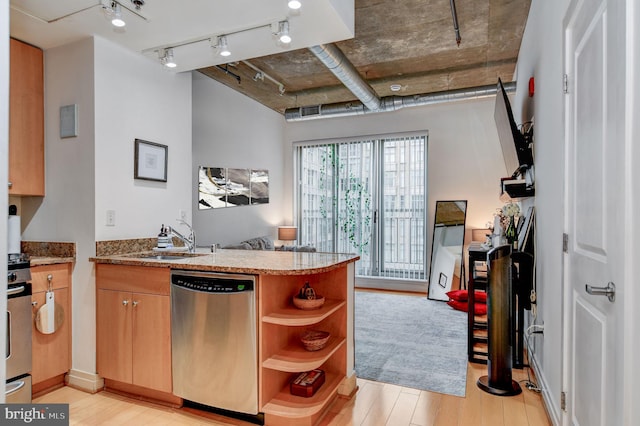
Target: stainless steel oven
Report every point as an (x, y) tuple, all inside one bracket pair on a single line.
[(18, 343)]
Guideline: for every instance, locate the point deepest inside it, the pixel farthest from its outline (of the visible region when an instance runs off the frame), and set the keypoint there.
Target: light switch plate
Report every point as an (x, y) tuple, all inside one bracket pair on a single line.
[(111, 218)]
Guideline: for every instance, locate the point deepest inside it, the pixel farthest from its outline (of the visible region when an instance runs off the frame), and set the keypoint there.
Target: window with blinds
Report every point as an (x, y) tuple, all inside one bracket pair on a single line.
[(366, 196)]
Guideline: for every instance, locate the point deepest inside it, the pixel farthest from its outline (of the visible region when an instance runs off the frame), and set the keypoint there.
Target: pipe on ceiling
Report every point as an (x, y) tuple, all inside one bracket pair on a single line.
[(346, 72), (456, 28), (393, 103)]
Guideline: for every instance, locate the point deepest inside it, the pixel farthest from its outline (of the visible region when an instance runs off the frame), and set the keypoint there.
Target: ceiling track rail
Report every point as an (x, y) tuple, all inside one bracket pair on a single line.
[(75, 12)]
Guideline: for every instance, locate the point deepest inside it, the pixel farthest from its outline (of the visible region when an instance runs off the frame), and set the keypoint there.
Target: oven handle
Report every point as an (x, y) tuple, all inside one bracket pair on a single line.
[(14, 387), (15, 290), (9, 340)]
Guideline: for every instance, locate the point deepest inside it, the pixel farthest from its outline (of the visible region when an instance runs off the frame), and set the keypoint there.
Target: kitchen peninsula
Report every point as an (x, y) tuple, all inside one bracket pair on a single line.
[(138, 360)]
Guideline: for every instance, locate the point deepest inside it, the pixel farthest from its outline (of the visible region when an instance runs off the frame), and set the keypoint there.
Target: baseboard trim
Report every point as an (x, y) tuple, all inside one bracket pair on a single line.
[(553, 410), (88, 382), (348, 386)]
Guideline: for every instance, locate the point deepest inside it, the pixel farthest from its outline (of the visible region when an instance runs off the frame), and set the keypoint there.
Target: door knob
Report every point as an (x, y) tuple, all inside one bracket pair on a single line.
[(609, 291)]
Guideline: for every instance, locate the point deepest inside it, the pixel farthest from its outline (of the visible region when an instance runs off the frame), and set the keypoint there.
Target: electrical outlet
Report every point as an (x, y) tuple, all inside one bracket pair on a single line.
[(111, 218), (182, 214)]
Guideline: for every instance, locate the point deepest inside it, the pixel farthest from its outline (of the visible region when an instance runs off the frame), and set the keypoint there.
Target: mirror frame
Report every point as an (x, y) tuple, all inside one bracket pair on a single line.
[(439, 285)]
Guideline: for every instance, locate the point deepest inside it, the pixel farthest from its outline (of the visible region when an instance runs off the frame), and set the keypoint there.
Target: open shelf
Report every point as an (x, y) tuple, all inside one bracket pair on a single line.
[(282, 354), (293, 316), (295, 358), (286, 405)]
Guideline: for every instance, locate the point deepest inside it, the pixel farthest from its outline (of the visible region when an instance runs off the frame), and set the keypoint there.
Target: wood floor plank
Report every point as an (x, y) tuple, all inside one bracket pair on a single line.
[(375, 404), (426, 409), (380, 411), (448, 412), (403, 409)]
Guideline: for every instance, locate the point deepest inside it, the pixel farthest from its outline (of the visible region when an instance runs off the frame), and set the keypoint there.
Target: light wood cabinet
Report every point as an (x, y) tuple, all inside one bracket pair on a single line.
[(51, 353), (26, 120), (134, 325), (282, 354)]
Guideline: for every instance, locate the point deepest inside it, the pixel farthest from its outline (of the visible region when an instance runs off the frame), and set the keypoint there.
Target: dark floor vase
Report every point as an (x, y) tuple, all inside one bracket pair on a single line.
[(500, 322)]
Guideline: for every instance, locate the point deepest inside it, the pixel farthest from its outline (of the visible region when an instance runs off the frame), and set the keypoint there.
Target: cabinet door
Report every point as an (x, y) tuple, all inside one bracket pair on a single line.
[(26, 120), (114, 335), (152, 341), (51, 354)]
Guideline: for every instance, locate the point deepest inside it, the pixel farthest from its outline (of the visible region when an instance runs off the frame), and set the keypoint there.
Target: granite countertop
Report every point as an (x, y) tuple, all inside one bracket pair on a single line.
[(239, 261), (49, 252), (50, 260)]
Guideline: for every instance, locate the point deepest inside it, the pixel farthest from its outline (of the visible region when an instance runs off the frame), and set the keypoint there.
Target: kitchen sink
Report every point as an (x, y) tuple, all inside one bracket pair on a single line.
[(166, 256)]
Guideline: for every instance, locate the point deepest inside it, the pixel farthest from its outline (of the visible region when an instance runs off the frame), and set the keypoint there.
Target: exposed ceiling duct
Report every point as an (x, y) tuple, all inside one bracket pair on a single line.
[(392, 103), (343, 69), (369, 102)]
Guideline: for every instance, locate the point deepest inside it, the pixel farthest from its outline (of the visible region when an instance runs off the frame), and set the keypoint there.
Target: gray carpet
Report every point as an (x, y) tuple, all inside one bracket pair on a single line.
[(410, 341)]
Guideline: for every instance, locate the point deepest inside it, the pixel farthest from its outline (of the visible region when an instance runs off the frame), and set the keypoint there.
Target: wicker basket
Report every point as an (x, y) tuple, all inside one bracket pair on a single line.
[(308, 304), (314, 340)]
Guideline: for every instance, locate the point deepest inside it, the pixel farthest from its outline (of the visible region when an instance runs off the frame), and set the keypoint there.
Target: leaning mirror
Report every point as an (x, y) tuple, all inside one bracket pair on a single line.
[(446, 251)]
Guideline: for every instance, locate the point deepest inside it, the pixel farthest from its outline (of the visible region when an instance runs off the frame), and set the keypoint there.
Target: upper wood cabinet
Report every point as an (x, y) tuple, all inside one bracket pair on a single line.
[(26, 120)]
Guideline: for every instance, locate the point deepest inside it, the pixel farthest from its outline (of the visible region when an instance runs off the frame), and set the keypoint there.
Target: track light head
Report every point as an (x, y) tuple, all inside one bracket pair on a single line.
[(166, 58), (117, 20), (138, 3), (223, 46), (283, 32)]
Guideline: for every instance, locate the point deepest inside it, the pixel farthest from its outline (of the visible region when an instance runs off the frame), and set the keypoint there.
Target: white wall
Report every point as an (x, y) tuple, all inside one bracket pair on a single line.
[(66, 212), (4, 161), (121, 96), (632, 292), (138, 98), (464, 156), (541, 57), (232, 130)]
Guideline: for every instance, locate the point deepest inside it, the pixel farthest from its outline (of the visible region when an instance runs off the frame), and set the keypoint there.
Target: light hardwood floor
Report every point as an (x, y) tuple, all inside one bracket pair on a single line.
[(374, 404)]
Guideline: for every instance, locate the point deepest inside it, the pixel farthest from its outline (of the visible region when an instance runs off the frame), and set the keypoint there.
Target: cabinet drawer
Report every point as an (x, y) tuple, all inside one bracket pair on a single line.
[(59, 273), (141, 279)]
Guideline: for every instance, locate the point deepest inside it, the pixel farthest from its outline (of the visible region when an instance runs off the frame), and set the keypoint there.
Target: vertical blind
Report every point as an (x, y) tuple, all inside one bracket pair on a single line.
[(366, 196)]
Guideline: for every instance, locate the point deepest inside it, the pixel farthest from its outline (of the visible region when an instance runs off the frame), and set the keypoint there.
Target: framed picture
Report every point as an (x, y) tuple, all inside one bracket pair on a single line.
[(150, 161), (442, 280)]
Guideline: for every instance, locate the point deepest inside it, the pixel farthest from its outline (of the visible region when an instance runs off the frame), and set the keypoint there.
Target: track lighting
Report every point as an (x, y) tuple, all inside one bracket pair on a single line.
[(223, 46), (117, 20), (283, 32), (166, 58), (294, 4)]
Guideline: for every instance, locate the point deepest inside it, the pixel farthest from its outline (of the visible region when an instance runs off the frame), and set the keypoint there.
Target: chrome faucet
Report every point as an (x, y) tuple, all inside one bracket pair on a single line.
[(190, 241)]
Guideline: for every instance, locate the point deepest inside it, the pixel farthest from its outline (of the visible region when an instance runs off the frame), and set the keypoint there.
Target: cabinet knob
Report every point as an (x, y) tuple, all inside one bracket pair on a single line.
[(135, 303), (34, 303), (125, 302), (10, 184)]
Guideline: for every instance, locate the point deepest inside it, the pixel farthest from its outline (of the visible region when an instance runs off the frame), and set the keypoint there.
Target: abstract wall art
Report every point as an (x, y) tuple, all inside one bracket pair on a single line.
[(228, 187)]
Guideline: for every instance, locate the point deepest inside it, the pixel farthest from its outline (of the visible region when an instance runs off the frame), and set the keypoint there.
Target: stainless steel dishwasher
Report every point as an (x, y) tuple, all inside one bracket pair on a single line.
[(213, 340)]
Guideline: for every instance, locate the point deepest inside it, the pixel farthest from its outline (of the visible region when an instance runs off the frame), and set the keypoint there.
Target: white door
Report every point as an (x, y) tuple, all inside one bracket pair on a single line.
[(594, 36)]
